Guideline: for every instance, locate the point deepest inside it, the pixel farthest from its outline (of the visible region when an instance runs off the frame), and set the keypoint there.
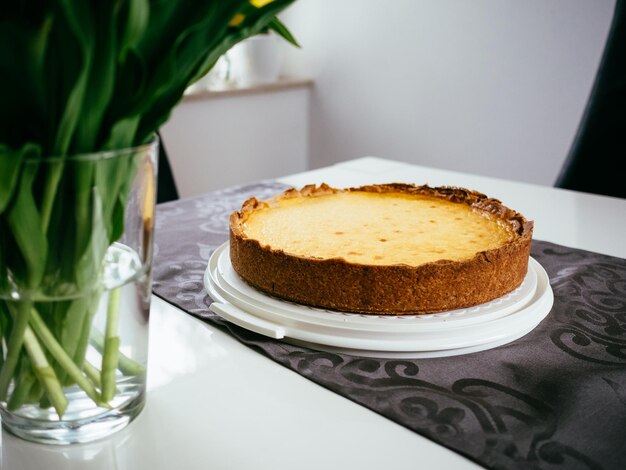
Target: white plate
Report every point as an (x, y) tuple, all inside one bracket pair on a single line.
[(432, 335)]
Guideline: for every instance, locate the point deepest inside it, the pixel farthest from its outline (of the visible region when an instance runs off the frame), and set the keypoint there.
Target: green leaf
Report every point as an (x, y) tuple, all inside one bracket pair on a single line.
[(279, 28), (110, 176), (194, 52), (137, 17), (79, 24), (89, 264), (101, 79), (83, 172), (25, 224), (38, 47), (4, 271), (123, 132), (10, 162), (24, 36)]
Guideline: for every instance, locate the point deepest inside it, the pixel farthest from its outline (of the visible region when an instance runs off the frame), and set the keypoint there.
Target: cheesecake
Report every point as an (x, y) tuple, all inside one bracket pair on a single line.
[(381, 249)]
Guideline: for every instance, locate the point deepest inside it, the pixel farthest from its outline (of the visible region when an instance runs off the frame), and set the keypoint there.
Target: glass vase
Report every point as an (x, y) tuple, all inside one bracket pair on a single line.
[(75, 284)]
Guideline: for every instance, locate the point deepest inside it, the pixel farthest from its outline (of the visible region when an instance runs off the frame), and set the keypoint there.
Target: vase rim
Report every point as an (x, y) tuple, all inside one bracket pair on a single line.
[(98, 154)]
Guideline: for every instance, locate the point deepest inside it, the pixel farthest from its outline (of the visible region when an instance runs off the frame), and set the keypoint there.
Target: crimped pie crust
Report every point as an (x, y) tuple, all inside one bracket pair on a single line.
[(384, 289)]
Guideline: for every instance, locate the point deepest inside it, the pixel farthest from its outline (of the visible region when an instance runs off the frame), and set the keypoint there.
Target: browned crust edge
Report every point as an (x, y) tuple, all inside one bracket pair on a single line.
[(394, 289)]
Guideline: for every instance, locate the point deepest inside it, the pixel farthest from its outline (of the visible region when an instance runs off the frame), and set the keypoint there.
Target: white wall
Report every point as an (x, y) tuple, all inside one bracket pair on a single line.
[(495, 87)]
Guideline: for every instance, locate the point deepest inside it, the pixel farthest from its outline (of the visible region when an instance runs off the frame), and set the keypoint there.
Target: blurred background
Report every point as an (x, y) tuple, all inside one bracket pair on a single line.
[(493, 87)]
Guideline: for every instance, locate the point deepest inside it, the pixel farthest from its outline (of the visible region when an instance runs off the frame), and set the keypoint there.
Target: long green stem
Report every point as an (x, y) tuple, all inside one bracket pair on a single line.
[(65, 361), (111, 346), (45, 373), (23, 385), (83, 342), (74, 336), (125, 364), (4, 320), (35, 393), (71, 316), (93, 373), (14, 346)]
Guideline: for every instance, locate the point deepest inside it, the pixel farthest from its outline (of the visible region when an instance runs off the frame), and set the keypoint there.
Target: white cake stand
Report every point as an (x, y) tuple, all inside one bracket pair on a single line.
[(441, 334)]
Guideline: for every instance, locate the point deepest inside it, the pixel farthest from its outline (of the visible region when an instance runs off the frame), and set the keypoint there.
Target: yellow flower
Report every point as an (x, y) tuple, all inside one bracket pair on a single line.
[(236, 20), (260, 3)]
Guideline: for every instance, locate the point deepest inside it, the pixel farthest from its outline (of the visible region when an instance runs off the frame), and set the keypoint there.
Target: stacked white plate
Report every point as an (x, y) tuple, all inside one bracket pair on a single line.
[(441, 334)]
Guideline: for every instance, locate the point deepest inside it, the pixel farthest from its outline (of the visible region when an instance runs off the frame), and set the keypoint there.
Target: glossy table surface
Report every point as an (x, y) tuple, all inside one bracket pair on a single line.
[(214, 403)]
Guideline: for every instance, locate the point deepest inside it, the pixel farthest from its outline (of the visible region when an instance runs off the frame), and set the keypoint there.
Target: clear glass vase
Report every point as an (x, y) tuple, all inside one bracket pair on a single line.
[(75, 284)]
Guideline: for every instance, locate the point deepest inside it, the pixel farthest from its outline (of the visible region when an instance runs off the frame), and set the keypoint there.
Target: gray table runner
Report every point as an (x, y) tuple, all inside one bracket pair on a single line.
[(555, 398)]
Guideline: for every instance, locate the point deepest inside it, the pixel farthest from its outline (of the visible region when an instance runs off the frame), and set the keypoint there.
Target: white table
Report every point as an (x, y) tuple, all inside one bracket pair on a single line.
[(215, 404)]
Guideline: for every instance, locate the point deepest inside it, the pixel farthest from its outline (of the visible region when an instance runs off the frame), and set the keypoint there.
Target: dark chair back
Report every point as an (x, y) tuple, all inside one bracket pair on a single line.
[(598, 153), (166, 186)]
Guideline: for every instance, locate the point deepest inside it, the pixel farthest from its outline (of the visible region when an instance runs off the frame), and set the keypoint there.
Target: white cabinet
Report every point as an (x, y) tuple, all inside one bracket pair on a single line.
[(221, 138)]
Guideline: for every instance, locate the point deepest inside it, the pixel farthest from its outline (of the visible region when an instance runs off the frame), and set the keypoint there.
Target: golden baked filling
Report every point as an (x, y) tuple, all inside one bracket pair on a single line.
[(384, 249), (378, 229)]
